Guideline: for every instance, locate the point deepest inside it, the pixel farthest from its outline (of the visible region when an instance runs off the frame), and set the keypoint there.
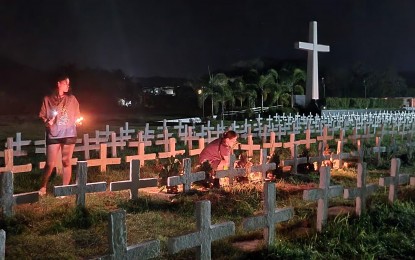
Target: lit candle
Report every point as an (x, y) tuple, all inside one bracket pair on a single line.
[(79, 120)]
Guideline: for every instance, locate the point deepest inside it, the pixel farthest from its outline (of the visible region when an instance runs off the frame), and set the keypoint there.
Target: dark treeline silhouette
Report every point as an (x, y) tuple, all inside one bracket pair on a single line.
[(99, 91)]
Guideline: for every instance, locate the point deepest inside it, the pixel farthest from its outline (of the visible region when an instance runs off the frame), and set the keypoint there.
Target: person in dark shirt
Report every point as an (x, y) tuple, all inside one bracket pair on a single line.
[(218, 152)]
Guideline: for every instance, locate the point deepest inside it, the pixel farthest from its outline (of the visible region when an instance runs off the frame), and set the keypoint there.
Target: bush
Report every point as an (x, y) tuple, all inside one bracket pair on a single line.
[(362, 103)]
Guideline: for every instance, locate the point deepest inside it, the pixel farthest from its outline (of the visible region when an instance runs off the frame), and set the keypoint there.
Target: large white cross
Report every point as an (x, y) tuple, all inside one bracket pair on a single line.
[(312, 61)]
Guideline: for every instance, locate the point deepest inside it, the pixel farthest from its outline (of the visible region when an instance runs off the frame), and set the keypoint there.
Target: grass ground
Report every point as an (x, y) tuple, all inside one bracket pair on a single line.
[(55, 229)]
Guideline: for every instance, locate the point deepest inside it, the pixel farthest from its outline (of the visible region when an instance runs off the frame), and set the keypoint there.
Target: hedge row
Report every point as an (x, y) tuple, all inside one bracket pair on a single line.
[(362, 103)]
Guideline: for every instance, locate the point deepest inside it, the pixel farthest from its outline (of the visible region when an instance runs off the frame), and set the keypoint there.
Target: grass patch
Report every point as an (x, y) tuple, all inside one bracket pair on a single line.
[(56, 229)]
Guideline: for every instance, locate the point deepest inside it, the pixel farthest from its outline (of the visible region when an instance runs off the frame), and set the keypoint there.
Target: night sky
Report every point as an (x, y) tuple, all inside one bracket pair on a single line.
[(181, 38)]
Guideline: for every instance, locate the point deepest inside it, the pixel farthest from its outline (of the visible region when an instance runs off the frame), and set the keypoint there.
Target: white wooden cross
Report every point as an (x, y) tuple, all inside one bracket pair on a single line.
[(189, 138), (265, 133), (272, 144), (106, 133), (204, 235), (295, 160), (322, 195), (367, 135), (18, 144), (231, 172), (163, 126), (200, 148), (294, 129), (81, 187), (378, 149), (187, 178), (114, 143), (172, 150), (98, 139), (307, 141), (141, 155), (8, 164), (59, 166), (271, 215), (394, 180), (312, 48), (320, 158), (165, 139), (263, 167), (103, 161), (180, 127), (86, 147), (140, 138), (117, 239), (41, 143), (148, 133), (125, 132), (134, 183), (7, 197), (324, 138), (250, 147), (339, 156), (281, 132), (362, 191)]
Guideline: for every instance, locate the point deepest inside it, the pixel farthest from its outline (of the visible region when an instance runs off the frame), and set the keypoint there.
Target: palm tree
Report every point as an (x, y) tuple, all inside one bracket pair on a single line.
[(218, 90), (266, 84), (292, 80), (238, 89), (263, 83), (243, 92)]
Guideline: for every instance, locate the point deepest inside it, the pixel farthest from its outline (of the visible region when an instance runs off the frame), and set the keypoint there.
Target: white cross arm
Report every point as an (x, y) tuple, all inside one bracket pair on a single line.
[(28, 197), (311, 47), (176, 244), (145, 250)]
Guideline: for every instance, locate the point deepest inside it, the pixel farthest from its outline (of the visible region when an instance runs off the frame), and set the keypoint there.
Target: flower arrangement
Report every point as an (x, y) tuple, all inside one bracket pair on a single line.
[(173, 167)]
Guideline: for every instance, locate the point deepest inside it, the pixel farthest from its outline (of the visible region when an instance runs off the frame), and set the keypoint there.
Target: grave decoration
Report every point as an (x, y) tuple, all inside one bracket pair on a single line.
[(260, 172), (173, 167)]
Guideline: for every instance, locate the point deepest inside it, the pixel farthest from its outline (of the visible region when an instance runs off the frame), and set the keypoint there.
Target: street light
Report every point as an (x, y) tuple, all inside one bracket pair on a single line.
[(324, 87), (200, 92)]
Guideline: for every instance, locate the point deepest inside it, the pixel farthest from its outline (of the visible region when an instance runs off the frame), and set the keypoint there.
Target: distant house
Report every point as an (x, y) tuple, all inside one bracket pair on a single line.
[(156, 91), (408, 102)]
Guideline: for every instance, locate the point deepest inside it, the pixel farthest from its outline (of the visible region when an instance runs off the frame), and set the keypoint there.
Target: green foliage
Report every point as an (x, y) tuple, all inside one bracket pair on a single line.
[(385, 232), (362, 103)]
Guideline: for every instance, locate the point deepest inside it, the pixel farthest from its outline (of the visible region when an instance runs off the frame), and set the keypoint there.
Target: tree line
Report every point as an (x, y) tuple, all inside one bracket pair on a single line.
[(22, 88)]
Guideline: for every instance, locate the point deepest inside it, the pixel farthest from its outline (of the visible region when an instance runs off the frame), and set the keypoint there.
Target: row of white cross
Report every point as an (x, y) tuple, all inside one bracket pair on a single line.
[(270, 143), (393, 123), (206, 233)]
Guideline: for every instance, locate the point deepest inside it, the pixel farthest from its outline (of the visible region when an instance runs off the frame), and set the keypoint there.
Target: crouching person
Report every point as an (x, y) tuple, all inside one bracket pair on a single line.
[(216, 156)]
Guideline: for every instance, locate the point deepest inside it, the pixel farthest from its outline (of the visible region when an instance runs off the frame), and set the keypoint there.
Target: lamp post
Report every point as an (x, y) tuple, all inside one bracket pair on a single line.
[(201, 92), (324, 87)]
